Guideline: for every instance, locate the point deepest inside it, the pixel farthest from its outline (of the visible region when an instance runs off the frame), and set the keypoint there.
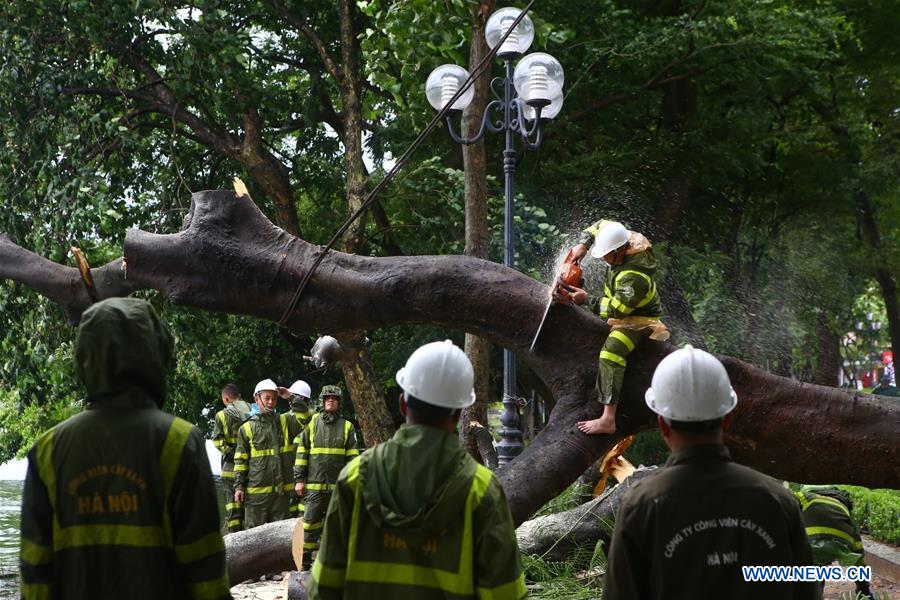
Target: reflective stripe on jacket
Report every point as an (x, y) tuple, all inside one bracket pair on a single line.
[(225, 427), (264, 453), (119, 503), (361, 560), (629, 289), (832, 533), (323, 449), (628, 292)]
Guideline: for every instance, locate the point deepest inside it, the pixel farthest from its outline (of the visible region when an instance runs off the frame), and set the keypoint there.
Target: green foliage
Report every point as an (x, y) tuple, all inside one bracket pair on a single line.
[(759, 122), (569, 498), (578, 577), (22, 424), (648, 448), (877, 512)]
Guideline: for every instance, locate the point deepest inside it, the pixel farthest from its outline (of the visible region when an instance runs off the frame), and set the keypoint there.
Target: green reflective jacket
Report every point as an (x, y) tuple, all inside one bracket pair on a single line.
[(629, 289), (832, 533), (263, 456), (224, 436), (323, 449), (119, 500), (417, 517)]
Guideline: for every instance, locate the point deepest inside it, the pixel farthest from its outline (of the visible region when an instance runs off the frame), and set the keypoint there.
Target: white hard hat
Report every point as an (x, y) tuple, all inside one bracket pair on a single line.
[(611, 236), (691, 385), (264, 385), (440, 374), (300, 388)]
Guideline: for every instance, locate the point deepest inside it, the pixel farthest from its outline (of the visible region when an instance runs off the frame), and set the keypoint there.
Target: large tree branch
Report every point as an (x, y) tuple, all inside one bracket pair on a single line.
[(230, 258), (64, 285), (166, 102)]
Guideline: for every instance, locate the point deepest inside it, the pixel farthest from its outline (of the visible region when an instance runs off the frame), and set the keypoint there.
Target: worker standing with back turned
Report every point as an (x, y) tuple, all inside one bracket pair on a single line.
[(685, 531), (119, 501), (630, 302), (417, 517)]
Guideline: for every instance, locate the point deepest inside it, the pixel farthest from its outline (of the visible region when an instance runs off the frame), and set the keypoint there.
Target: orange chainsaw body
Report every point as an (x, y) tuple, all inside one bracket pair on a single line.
[(569, 276)]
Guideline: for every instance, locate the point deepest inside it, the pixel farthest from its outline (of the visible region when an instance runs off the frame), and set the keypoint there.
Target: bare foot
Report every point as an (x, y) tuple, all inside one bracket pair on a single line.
[(597, 426)]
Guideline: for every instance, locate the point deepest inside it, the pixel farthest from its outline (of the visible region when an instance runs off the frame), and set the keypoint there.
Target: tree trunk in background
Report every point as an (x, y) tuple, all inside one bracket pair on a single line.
[(677, 312), (477, 236), (359, 374), (679, 104), (366, 392), (828, 354), (351, 116), (886, 280), (230, 258)]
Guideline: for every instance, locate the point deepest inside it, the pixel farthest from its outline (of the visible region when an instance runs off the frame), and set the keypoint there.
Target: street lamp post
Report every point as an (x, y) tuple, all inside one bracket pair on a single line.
[(524, 99)]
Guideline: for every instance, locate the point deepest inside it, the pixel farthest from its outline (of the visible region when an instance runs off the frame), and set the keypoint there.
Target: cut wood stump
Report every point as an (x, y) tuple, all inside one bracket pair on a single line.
[(264, 549)]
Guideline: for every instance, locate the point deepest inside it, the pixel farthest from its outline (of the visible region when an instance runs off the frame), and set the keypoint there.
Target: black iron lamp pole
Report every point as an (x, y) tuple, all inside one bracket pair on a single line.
[(506, 113), (524, 98)]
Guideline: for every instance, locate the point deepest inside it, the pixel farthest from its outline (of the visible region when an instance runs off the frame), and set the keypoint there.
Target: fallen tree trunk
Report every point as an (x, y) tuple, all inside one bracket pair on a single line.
[(558, 536), (261, 550), (230, 258)]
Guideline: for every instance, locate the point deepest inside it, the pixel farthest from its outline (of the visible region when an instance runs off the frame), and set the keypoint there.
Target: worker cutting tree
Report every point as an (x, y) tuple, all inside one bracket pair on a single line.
[(630, 303)]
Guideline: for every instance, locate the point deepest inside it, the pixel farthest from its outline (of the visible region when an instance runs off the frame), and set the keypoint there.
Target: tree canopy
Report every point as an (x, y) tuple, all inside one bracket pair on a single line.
[(755, 143)]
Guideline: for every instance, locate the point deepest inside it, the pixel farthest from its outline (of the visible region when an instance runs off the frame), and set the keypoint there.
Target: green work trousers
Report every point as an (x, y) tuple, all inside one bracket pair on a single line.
[(234, 511), (296, 508), (313, 521), (614, 359), (260, 509)]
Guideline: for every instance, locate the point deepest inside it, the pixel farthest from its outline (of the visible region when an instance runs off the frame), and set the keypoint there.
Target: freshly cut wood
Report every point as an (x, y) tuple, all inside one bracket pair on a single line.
[(261, 550), (297, 545), (557, 536), (613, 460)]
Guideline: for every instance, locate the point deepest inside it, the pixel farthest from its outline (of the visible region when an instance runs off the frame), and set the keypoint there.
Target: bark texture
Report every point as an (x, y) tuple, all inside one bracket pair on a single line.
[(477, 348), (828, 354), (887, 280), (261, 550), (368, 397), (61, 284), (557, 536), (230, 258)]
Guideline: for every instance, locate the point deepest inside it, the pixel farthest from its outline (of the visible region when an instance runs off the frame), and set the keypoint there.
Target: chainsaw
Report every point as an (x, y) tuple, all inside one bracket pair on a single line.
[(564, 284)]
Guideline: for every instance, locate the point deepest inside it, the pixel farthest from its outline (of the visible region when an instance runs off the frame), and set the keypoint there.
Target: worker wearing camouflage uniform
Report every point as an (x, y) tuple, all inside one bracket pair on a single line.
[(832, 532), (630, 303), (323, 449), (417, 517), (225, 427), (298, 397), (262, 461), (119, 500)]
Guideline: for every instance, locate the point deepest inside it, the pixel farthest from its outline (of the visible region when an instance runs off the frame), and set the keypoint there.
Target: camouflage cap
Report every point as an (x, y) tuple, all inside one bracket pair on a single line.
[(331, 390)]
